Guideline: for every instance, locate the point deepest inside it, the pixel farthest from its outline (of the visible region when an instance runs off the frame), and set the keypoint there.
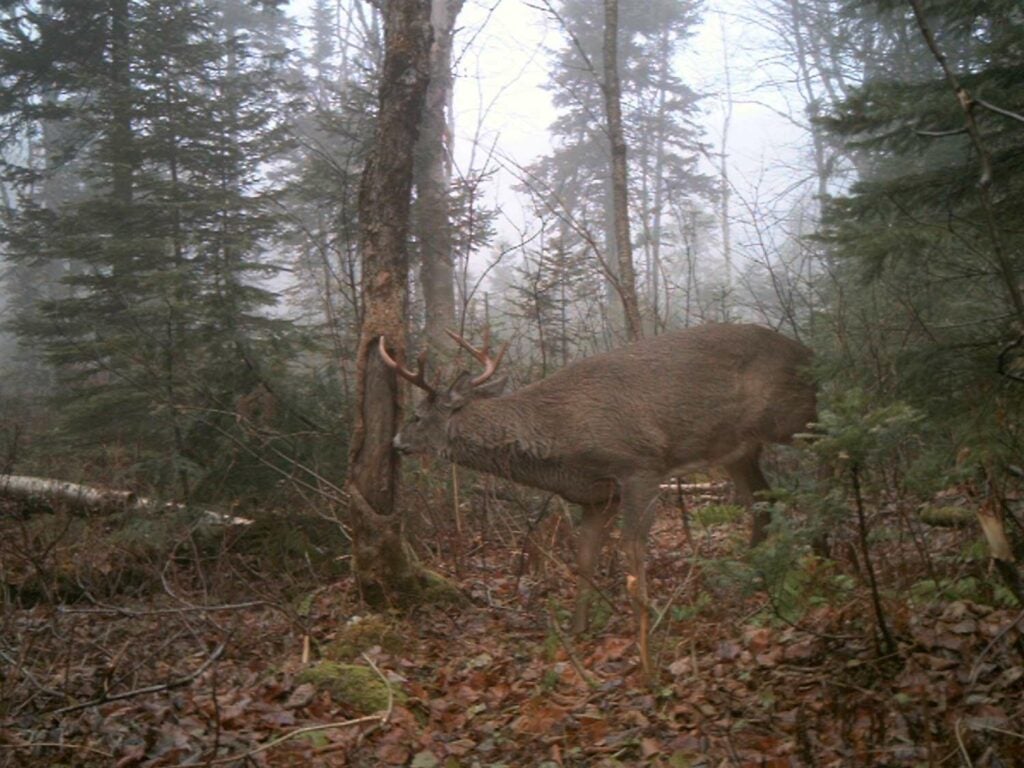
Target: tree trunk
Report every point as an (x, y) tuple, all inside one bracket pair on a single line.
[(432, 174), (725, 186), (383, 569), (620, 177)]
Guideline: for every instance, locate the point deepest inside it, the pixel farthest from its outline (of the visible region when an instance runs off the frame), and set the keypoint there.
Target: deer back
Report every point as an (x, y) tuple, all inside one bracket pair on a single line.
[(683, 399)]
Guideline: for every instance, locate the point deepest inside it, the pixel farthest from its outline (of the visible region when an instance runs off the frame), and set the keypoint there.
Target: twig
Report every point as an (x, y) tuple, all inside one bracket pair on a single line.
[(387, 684), (180, 682), (993, 729), (941, 134), (131, 613), (57, 745), (591, 683), (960, 743), (379, 719), (976, 667), (292, 735), (999, 110), (862, 534)]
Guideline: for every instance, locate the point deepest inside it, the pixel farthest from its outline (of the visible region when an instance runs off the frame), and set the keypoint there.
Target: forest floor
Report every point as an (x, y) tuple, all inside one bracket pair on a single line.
[(210, 669)]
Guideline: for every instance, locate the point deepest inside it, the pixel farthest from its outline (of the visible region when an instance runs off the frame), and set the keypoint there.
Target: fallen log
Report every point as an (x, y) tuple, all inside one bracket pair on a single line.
[(87, 499)]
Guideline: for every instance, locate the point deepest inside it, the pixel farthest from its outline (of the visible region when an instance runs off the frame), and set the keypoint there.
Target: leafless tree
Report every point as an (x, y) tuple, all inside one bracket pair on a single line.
[(432, 176), (612, 90)]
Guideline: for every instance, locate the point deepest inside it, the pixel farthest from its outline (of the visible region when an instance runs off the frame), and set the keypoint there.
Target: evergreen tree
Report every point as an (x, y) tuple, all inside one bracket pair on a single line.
[(170, 115), (658, 108), (334, 132), (926, 248)]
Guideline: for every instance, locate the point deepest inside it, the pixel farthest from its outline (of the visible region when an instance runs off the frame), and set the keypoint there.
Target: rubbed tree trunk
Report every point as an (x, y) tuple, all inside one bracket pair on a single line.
[(385, 574), (626, 279), (432, 178)]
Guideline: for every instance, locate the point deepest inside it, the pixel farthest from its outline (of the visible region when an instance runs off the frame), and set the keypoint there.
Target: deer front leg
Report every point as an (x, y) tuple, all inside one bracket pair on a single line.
[(638, 503), (594, 530)]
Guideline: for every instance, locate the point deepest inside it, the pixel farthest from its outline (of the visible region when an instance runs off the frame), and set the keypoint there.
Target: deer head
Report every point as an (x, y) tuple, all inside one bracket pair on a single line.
[(426, 431)]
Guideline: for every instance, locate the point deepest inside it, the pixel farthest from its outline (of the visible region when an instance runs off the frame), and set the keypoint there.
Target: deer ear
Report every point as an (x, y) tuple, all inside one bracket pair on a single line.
[(492, 388), (462, 390)]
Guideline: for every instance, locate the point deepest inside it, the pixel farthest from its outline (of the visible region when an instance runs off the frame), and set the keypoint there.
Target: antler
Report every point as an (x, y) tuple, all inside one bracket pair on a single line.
[(482, 355), (418, 379)]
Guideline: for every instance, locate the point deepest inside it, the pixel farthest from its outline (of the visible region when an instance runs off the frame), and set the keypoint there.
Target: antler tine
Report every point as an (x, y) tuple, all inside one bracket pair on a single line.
[(490, 366), (417, 379), (482, 355), (465, 344)]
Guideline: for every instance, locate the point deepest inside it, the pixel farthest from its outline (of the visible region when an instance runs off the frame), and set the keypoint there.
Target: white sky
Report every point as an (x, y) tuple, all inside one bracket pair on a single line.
[(501, 106), (502, 110)]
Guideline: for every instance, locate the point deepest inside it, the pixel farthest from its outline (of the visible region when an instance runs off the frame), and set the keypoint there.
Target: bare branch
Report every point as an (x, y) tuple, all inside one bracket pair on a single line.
[(179, 683)]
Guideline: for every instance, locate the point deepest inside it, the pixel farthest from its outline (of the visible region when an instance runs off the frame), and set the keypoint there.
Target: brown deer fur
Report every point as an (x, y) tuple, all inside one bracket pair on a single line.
[(605, 431)]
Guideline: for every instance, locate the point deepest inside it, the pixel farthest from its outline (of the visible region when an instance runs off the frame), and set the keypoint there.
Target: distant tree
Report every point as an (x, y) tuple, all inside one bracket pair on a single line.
[(334, 132), (169, 114), (925, 249), (611, 87), (574, 183), (433, 181)]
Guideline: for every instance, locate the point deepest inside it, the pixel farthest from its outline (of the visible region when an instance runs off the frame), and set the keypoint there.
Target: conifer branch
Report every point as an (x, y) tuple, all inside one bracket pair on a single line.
[(968, 104)]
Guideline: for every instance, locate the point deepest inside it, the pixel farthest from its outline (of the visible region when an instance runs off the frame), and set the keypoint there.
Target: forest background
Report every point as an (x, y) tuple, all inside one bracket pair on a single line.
[(182, 279)]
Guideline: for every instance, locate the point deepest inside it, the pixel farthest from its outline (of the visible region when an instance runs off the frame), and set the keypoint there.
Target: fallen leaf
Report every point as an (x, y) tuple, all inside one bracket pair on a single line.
[(392, 754), (301, 696), (425, 759)]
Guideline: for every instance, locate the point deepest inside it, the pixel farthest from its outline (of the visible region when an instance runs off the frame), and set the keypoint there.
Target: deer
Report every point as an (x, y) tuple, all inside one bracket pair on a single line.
[(605, 431)]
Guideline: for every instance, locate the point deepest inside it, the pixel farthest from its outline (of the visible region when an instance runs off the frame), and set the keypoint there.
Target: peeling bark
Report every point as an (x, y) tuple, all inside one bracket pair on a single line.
[(384, 571), (89, 499)]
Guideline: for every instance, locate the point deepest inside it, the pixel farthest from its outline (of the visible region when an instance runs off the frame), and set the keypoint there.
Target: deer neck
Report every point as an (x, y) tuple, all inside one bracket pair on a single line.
[(495, 436)]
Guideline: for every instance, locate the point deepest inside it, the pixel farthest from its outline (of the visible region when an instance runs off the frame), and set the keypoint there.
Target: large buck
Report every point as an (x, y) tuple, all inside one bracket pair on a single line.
[(605, 431)]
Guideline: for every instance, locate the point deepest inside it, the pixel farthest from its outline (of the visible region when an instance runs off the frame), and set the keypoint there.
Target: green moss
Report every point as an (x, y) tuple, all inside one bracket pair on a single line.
[(948, 517), (438, 590), (359, 688), (363, 634), (714, 514)]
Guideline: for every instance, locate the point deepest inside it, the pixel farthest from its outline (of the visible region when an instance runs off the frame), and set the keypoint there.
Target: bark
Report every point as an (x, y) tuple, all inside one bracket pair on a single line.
[(993, 526), (432, 176), (88, 499), (383, 569), (725, 185), (612, 90)]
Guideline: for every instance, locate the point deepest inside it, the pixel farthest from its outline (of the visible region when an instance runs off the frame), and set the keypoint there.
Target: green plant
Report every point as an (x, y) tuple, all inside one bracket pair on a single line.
[(716, 514)]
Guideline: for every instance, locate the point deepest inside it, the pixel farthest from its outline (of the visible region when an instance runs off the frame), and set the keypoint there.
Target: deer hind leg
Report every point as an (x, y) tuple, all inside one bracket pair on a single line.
[(597, 523), (639, 497), (748, 479)]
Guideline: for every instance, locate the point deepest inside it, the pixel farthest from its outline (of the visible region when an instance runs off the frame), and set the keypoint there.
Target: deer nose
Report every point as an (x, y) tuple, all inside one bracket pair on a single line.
[(398, 445)]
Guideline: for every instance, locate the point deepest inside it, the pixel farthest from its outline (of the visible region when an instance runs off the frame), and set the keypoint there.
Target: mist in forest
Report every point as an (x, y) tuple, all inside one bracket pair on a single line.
[(181, 199), (338, 337)]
